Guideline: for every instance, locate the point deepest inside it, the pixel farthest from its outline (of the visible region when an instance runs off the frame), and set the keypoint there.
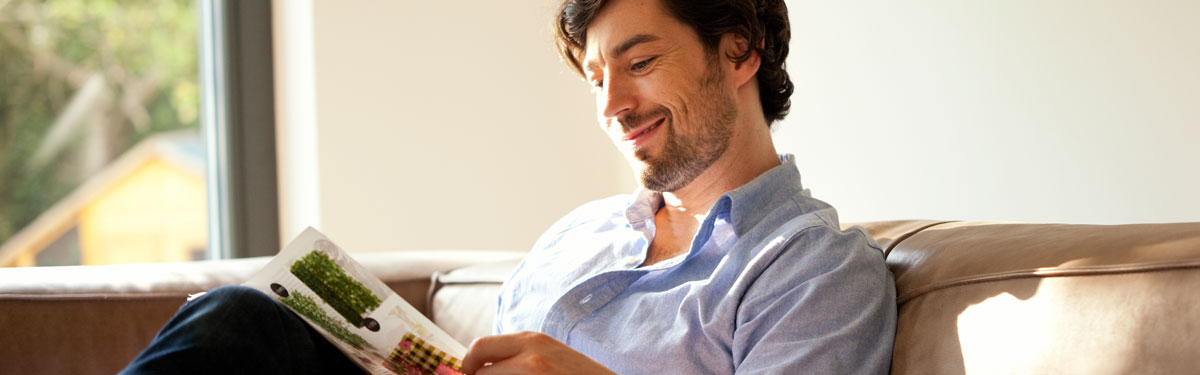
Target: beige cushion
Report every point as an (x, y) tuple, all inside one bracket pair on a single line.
[(463, 301)]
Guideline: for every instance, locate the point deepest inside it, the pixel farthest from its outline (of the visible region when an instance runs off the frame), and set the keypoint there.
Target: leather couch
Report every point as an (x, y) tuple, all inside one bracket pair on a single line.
[(972, 297)]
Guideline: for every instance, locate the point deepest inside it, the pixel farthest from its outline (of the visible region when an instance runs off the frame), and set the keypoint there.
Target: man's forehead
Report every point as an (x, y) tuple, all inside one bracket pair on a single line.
[(622, 24)]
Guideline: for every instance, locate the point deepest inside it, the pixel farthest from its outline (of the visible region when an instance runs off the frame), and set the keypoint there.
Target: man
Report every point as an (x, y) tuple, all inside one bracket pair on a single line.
[(720, 263)]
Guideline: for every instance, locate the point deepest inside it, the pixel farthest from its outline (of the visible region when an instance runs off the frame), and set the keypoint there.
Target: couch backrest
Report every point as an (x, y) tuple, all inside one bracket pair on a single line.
[(1048, 299), (994, 297), (463, 301)]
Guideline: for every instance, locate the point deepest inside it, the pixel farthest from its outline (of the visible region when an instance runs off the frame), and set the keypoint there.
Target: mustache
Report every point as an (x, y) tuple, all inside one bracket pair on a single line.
[(633, 120)]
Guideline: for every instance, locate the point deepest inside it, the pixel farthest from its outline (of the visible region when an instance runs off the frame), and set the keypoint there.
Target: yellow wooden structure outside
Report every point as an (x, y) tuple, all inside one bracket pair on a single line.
[(149, 206)]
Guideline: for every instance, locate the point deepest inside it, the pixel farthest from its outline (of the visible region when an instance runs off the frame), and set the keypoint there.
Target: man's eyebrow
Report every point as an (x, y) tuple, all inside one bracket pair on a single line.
[(625, 46), (628, 44)]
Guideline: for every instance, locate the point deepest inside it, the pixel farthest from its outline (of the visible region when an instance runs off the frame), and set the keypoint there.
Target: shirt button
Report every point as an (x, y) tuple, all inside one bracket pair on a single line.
[(585, 299), (631, 260)]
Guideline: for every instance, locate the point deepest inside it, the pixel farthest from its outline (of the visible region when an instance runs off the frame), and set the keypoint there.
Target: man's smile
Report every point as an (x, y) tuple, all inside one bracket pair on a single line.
[(642, 134)]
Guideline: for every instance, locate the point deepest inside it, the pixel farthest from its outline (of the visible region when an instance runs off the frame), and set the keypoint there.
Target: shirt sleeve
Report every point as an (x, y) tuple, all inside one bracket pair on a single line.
[(824, 305)]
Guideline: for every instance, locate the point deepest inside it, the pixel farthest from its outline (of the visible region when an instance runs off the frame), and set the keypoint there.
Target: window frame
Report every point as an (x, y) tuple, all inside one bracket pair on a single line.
[(238, 119)]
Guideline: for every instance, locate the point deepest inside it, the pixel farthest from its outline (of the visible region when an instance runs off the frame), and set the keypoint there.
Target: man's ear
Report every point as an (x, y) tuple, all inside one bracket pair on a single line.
[(733, 45)]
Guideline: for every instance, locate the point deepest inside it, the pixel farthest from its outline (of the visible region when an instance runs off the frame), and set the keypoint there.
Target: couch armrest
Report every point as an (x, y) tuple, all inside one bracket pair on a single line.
[(95, 319)]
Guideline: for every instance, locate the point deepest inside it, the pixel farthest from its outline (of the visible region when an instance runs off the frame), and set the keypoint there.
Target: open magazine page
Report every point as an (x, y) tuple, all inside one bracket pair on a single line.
[(355, 310)]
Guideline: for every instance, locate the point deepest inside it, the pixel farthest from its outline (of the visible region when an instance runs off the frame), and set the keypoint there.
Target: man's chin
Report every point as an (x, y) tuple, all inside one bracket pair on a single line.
[(642, 155), (663, 179), (639, 162)]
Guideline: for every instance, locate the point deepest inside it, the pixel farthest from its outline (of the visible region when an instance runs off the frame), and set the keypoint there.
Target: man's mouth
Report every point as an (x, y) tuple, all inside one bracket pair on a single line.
[(637, 134)]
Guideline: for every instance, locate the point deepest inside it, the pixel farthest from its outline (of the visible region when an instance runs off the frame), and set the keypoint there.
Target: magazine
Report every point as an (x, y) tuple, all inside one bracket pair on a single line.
[(356, 311)]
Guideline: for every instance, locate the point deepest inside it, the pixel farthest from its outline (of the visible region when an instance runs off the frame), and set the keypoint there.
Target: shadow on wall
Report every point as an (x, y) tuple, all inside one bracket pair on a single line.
[(1047, 298)]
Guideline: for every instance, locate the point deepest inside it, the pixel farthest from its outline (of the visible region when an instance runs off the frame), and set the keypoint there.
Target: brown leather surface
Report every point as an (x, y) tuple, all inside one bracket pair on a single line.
[(889, 233), (955, 253), (1042, 298), (1126, 323), (84, 335)]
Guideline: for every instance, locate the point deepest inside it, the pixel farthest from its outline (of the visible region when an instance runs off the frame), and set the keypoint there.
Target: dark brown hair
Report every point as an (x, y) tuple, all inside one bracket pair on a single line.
[(762, 22)]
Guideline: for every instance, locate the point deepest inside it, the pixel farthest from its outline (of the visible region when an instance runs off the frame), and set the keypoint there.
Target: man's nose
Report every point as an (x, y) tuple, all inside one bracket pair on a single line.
[(617, 97)]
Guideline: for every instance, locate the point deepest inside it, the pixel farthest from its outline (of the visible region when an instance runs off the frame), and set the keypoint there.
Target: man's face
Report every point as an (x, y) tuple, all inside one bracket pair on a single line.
[(660, 96)]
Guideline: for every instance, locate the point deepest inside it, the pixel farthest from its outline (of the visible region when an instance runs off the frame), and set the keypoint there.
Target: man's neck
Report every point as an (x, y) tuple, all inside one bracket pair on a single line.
[(685, 209), (729, 172)]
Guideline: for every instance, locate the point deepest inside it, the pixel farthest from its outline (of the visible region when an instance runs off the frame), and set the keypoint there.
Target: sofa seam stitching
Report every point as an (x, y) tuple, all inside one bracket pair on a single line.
[(910, 234)]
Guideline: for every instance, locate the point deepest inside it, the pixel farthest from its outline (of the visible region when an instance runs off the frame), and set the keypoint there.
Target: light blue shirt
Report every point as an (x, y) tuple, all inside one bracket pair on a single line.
[(771, 284)]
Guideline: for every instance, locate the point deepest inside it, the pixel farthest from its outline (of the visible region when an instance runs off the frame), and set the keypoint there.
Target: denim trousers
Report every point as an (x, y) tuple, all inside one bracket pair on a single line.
[(239, 330)]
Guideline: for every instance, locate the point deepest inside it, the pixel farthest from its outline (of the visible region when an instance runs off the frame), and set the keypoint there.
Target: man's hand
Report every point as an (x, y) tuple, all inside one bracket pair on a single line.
[(526, 353)]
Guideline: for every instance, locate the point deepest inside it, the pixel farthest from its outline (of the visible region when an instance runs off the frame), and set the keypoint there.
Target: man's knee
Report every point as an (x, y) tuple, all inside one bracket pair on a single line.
[(235, 297), (235, 292)]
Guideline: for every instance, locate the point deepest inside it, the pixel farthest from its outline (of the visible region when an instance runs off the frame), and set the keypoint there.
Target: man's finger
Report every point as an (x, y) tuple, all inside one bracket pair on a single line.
[(491, 349), (505, 367)]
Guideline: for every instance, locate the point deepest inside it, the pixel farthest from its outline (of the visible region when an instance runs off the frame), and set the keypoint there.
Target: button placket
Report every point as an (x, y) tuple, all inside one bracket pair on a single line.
[(630, 261)]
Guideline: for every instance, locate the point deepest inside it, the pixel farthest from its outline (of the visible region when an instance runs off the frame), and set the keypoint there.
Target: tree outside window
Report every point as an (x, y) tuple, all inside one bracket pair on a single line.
[(99, 131)]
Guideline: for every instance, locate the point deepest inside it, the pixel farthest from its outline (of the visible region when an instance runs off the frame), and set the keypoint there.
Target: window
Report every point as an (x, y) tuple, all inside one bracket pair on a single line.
[(109, 128)]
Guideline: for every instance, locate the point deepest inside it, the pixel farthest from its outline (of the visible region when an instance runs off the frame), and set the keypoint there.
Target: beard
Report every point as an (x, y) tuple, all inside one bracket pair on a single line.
[(686, 155)]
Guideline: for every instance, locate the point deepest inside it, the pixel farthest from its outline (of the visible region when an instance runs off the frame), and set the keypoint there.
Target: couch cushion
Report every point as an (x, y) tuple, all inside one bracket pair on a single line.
[(463, 301), (1041, 298)]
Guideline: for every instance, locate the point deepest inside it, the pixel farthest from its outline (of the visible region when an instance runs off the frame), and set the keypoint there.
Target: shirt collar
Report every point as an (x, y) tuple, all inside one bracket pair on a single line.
[(745, 205), (645, 204), (750, 203)]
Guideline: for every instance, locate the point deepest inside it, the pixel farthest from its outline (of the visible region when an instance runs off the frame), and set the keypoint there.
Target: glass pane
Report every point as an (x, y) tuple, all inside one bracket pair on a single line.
[(101, 154)]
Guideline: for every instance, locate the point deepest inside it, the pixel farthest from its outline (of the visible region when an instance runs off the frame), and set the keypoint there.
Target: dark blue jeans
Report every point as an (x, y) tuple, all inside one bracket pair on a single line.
[(239, 330)]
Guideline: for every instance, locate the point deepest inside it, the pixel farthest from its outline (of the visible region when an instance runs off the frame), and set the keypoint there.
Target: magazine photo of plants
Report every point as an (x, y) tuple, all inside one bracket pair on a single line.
[(349, 297), (306, 306), (355, 310)]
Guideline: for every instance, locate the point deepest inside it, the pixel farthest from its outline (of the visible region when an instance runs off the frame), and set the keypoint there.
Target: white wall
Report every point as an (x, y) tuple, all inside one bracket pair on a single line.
[(1016, 110), (444, 124), (295, 117), (454, 125)]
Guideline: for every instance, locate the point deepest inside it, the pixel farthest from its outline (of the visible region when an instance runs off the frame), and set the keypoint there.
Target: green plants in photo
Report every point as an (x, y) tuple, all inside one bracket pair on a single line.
[(306, 306), (349, 297)]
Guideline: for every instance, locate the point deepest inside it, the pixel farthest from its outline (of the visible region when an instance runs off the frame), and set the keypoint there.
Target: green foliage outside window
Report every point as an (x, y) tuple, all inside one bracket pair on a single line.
[(347, 296), (82, 81)]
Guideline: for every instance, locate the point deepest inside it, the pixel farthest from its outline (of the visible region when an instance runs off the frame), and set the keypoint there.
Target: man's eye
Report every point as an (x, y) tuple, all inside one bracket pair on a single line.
[(642, 65), (598, 84)]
